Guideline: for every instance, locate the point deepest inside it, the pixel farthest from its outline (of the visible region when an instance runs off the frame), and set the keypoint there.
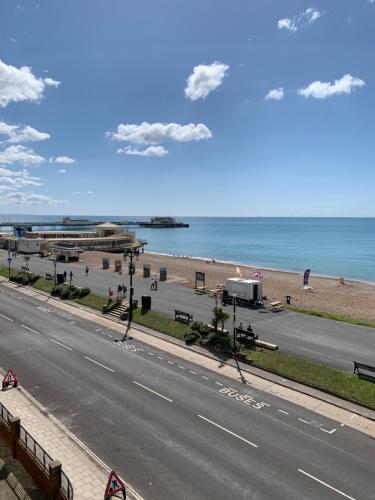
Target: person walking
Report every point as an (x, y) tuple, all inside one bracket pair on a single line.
[(71, 276), (87, 271), (124, 290), (64, 275), (152, 284), (119, 291), (155, 282)]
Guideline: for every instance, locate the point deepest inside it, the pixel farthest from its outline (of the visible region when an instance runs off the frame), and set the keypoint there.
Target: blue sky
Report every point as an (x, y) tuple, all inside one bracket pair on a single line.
[(208, 107)]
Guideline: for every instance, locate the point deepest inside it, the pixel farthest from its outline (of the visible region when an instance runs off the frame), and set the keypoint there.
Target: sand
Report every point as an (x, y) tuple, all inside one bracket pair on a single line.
[(354, 299)]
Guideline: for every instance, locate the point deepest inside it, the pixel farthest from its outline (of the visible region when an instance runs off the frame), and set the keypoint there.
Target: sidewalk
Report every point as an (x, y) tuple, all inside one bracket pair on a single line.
[(87, 473), (343, 412)]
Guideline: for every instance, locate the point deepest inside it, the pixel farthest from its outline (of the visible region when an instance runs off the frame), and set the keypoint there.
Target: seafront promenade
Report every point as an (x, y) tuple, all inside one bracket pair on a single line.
[(335, 344)]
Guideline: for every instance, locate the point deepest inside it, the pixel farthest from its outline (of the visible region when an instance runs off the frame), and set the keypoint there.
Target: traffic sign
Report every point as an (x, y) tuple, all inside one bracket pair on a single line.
[(114, 485), (10, 379)]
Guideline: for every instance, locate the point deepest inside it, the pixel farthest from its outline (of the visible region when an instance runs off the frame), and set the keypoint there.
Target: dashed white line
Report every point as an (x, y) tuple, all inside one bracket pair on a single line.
[(6, 317), (203, 376), (325, 484), (304, 421), (97, 363), (218, 383), (160, 357), (181, 367), (62, 345), (282, 411), (170, 362), (228, 431), (328, 432), (151, 353), (30, 329), (191, 371), (153, 392)]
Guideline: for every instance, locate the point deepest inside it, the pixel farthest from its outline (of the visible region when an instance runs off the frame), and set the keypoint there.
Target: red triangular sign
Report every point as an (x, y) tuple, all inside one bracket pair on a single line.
[(10, 378), (114, 485)]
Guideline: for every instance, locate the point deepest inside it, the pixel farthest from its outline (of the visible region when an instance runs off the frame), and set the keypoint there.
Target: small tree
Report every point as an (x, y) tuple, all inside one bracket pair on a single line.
[(220, 317), (26, 258)]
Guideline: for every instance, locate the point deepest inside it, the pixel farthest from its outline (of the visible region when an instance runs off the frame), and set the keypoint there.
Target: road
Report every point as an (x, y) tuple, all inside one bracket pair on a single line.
[(333, 343), (174, 429)]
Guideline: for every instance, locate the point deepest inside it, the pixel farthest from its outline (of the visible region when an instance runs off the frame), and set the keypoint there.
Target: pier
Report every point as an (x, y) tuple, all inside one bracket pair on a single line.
[(156, 222)]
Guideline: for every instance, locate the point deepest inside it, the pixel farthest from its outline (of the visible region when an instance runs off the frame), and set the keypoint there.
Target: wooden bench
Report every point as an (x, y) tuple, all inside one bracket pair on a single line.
[(246, 335), (24, 268), (49, 276), (182, 316), (359, 368)]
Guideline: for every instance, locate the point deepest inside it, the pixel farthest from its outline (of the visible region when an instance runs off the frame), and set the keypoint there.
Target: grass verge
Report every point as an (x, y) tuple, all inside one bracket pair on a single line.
[(336, 317), (94, 301), (342, 384), (160, 322)]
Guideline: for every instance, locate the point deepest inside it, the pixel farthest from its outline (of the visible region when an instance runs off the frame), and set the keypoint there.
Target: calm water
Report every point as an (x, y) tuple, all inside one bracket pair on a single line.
[(329, 246)]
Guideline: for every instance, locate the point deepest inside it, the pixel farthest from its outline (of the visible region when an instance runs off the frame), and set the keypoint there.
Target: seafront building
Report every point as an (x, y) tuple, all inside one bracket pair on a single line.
[(106, 237)]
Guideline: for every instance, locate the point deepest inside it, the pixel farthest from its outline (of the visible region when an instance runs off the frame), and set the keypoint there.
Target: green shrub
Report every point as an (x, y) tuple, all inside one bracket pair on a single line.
[(65, 293), (223, 342), (83, 292), (33, 277), (56, 290), (191, 336)]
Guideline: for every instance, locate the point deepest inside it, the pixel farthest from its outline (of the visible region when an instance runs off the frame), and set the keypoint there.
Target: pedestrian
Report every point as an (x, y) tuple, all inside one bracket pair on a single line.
[(64, 275), (71, 276), (87, 271), (119, 291), (152, 284), (156, 282), (124, 290), (240, 326)]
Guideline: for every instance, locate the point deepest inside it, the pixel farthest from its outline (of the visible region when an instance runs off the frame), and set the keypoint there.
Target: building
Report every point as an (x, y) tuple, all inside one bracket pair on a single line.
[(106, 237)]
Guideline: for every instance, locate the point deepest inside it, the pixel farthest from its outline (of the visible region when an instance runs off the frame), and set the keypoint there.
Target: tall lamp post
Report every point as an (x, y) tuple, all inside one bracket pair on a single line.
[(9, 262), (131, 251), (234, 324)]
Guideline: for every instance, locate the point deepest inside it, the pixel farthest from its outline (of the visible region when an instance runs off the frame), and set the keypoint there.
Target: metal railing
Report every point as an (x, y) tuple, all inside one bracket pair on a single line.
[(5, 415), (34, 448), (66, 486)]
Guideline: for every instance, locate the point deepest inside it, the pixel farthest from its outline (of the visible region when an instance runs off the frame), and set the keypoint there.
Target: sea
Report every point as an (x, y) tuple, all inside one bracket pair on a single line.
[(337, 247)]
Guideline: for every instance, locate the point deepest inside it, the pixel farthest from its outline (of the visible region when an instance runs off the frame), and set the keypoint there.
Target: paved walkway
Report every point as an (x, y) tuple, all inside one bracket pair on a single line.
[(87, 473)]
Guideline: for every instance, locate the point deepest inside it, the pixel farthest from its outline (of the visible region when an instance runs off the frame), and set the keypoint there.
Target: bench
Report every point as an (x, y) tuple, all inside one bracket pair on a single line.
[(359, 368), (182, 316), (24, 268), (246, 335), (49, 276)]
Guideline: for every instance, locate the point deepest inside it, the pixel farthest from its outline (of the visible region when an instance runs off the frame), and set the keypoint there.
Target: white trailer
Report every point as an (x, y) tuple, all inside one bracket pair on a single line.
[(246, 291)]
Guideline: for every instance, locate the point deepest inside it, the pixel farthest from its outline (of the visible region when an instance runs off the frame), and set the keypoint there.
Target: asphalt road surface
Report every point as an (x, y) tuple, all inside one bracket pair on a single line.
[(173, 429), (333, 343)]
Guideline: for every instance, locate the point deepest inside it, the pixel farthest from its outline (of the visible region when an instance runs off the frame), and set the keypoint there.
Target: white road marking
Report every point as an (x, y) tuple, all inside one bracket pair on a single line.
[(30, 329), (228, 431), (62, 345), (325, 484), (159, 357), (304, 421), (328, 432), (153, 392), (282, 411), (342, 425), (181, 367), (203, 376), (6, 317), (97, 363), (191, 371), (218, 383), (171, 362), (151, 353)]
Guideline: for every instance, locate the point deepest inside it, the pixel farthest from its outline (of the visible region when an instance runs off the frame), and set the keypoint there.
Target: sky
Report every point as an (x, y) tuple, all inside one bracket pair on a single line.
[(199, 108)]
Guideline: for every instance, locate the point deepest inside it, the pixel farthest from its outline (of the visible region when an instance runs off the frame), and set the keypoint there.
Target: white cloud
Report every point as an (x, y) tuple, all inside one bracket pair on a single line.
[(322, 90), (20, 84), (204, 79), (17, 133), (20, 154), (51, 83), (90, 192), (62, 159), (150, 151), (61, 171), (20, 197), (309, 16), (17, 179), (155, 133), (275, 94)]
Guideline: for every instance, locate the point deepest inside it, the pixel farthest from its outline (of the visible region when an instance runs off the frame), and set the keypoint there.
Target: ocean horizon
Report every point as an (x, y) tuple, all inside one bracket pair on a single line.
[(329, 246)]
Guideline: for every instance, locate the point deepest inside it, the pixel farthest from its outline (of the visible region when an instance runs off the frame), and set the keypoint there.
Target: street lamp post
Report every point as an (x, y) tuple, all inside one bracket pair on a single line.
[(9, 262), (131, 252), (234, 324)]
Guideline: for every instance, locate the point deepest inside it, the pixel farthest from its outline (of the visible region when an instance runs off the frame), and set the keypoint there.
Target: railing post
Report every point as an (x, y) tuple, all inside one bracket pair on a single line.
[(15, 430), (54, 475)]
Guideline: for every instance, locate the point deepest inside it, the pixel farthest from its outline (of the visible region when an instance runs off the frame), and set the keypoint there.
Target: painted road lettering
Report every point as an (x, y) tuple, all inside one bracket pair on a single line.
[(243, 398)]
